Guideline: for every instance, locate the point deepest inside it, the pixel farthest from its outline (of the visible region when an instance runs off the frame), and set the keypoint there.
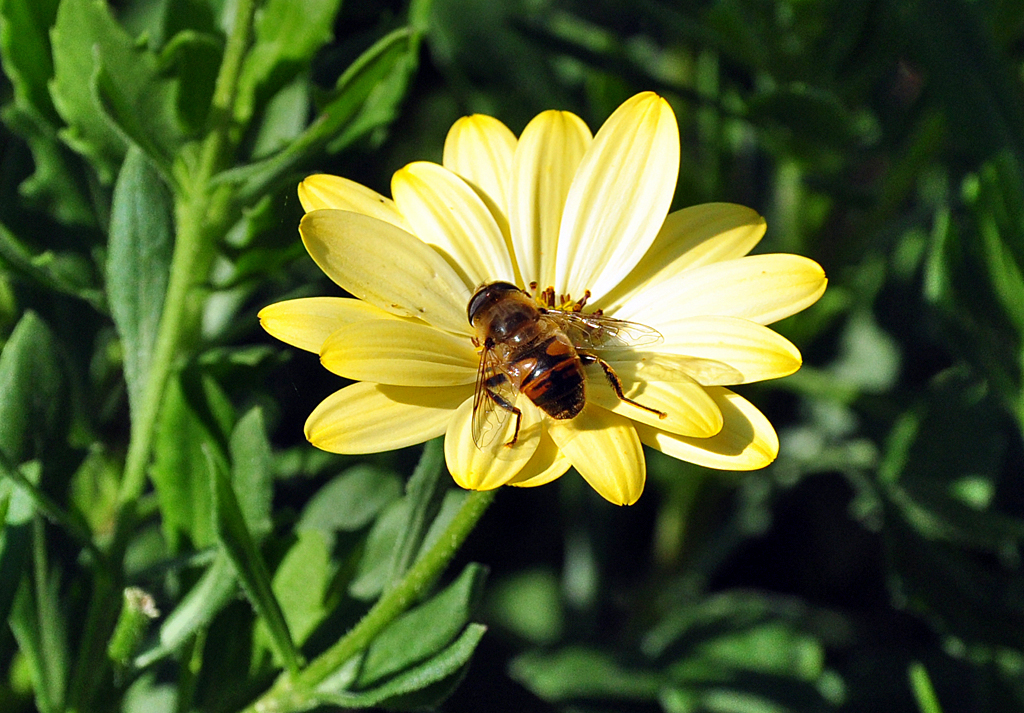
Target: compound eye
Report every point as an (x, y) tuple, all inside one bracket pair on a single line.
[(487, 294)]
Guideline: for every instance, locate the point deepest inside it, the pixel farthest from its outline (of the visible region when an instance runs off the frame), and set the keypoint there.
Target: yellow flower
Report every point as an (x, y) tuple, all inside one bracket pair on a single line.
[(558, 207)]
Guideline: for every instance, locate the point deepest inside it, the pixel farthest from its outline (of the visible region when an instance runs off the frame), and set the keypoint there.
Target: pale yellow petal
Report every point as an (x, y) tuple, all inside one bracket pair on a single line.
[(691, 237), (545, 163), (326, 191), (605, 450), (619, 198), (475, 469), (447, 213), (308, 321), (370, 418), (751, 351), (547, 464), (400, 352), (386, 266), (687, 408), (480, 148), (760, 288), (747, 441)]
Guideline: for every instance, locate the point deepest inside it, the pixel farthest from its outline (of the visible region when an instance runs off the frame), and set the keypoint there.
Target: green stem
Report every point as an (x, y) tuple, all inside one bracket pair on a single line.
[(200, 211), (294, 693)]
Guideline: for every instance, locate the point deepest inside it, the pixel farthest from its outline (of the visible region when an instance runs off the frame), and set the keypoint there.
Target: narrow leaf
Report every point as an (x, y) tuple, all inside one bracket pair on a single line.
[(425, 630), (195, 420), (138, 265), (250, 471), (28, 63), (238, 543), (31, 384), (15, 535), (399, 693), (287, 35), (384, 67), (300, 584), (214, 590), (424, 493)]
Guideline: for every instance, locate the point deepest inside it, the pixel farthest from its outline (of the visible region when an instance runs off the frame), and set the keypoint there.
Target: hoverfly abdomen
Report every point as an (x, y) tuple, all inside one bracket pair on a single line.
[(556, 385)]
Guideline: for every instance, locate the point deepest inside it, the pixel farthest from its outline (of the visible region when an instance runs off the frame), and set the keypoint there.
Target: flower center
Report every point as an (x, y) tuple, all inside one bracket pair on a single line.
[(547, 299)]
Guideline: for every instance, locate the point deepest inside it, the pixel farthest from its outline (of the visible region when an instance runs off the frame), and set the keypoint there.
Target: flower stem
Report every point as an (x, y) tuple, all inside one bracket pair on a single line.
[(295, 693)]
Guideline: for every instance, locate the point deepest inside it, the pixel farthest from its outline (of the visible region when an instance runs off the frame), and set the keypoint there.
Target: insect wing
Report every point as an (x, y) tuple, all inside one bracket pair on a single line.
[(595, 331), (493, 392), (677, 367)]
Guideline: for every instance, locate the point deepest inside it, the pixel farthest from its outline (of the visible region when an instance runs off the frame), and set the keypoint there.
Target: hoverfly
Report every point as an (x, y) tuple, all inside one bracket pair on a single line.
[(539, 352)]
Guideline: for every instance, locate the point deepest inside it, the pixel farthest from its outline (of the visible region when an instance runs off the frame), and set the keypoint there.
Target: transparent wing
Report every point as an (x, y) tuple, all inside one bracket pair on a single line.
[(677, 367), (495, 396), (595, 331)]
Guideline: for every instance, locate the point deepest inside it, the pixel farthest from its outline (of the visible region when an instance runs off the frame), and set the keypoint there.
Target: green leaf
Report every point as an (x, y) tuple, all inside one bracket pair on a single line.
[(734, 635), (194, 58), (425, 492), (372, 89), (398, 535), (301, 584), (375, 567), (108, 90), (577, 672), (240, 546), (16, 509), (366, 97), (529, 604), (38, 622), (287, 36), (28, 64), (31, 387), (138, 266), (214, 590), (421, 632), (195, 416), (810, 118), (27, 59), (250, 472), (352, 500), (65, 272), (419, 687)]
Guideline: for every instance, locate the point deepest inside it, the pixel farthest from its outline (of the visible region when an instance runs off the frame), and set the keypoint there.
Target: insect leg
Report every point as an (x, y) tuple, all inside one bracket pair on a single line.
[(502, 403), (615, 382)]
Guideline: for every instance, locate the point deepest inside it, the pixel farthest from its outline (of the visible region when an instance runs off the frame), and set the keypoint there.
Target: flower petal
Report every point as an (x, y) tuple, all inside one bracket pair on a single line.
[(619, 198), (547, 464), (688, 409), (480, 148), (747, 441), (447, 213), (308, 321), (761, 288), (546, 159), (386, 266), (606, 451), (691, 237), (475, 469), (751, 351), (325, 191), (370, 418), (399, 352)]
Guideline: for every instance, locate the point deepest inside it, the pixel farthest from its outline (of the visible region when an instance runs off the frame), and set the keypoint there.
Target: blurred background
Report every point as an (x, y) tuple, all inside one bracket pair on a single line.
[(878, 557)]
